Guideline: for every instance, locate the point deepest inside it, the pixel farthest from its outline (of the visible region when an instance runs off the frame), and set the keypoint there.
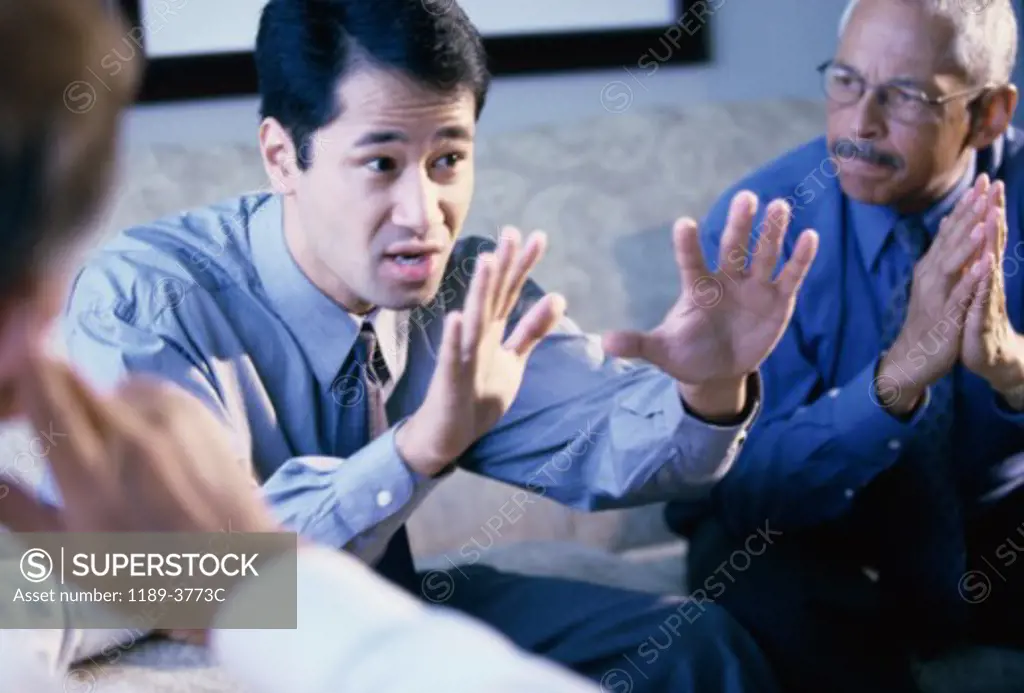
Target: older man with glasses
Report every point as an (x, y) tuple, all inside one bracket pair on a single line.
[(886, 466)]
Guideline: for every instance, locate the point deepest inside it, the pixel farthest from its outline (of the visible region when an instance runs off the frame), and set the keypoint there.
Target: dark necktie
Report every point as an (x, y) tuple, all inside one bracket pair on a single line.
[(912, 510), (363, 418)]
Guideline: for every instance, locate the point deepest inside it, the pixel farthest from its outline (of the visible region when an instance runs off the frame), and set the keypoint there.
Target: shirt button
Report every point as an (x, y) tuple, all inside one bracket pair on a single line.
[(894, 445), (384, 498), (848, 493), (833, 393)]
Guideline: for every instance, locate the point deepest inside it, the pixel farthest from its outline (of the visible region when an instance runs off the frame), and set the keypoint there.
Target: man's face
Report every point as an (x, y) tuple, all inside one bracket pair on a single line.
[(903, 162), (387, 192)]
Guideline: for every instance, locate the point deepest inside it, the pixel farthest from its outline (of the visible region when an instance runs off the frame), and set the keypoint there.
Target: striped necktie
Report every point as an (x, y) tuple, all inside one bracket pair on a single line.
[(364, 418)]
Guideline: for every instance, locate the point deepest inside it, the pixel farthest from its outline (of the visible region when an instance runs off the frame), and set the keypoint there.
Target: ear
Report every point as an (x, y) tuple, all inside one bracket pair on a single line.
[(993, 115), (279, 156)]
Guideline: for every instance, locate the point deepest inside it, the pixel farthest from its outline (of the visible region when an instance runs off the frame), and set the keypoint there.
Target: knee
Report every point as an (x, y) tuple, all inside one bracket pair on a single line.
[(703, 643), (694, 630), (712, 627)]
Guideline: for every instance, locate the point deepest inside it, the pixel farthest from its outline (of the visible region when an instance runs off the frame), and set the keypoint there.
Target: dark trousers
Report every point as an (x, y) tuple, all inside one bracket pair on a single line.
[(627, 642), (826, 624)]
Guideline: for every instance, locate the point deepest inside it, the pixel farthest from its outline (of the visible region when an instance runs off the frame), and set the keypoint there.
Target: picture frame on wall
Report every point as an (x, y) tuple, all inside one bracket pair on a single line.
[(203, 48)]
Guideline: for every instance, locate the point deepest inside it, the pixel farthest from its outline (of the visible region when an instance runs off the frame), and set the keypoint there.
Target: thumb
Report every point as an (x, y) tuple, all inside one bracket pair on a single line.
[(626, 344), (977, 293)]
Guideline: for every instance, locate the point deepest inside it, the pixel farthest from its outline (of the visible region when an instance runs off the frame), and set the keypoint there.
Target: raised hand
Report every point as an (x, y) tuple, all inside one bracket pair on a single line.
[(945, 279), (726, 322), (991, 347), (149, 458), (478, 372)]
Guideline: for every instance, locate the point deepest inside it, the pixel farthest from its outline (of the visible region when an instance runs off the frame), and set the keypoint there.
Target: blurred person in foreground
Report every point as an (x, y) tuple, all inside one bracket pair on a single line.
[(332, 327), (887, 462), (148, 457)]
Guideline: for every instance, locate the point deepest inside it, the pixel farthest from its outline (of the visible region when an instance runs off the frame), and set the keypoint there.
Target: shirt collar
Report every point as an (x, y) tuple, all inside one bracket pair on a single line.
[(874, 223), (325, 331)]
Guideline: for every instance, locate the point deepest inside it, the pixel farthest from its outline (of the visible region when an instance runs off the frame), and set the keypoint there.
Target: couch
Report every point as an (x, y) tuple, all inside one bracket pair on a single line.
[(607, 190)]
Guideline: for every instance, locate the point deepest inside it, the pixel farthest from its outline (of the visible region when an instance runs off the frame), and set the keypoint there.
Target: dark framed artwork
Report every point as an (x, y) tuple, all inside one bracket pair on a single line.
[(203, 48)]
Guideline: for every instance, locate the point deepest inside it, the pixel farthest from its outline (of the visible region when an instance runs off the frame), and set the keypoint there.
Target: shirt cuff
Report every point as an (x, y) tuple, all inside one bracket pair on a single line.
[(360, 491), (864, 426), (705, 452)]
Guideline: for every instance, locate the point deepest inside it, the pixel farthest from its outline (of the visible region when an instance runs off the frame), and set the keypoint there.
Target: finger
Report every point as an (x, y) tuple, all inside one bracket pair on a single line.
[(689, 255), (20, 511), (998, 212), (477, 309), (626, 344), (961, 254), (983, 290), (792, 276), (736, 238), (769, 245), (52, 396), (508, 252), (967, 213), (450, 356), (968, 292), (537, 324), (532, 252)]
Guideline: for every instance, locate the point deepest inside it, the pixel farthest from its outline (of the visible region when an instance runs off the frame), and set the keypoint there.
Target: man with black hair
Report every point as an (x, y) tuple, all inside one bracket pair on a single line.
[(150, 458), (358, 350)]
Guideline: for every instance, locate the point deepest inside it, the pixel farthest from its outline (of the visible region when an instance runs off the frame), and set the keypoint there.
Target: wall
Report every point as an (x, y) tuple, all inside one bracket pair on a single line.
[(761, 50)]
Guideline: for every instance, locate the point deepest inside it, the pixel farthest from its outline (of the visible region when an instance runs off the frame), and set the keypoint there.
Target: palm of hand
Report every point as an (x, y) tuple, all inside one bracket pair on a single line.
[(488, 387), (987, 329), (987, 332), (479, 371), (724, 328), (725, 323)]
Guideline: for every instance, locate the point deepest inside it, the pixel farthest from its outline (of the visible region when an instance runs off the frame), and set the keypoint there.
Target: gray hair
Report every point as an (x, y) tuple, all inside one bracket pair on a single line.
[(985, 47)]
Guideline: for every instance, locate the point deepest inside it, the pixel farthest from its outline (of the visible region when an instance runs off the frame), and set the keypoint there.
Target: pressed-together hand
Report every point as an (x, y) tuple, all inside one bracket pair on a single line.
[(945, 280), (478, 371), (727, 322), (992, 348)]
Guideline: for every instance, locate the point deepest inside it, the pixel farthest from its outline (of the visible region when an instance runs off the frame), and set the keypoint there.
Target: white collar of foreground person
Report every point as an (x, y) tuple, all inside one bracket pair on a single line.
[(357, 633)]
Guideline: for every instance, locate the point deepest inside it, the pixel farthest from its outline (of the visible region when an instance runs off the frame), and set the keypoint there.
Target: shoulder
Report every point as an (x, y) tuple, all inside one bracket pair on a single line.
[(144, 271), (1013, 154)]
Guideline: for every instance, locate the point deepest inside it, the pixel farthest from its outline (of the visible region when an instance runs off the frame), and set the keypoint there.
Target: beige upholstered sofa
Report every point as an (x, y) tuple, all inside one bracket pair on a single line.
[(606, 190)]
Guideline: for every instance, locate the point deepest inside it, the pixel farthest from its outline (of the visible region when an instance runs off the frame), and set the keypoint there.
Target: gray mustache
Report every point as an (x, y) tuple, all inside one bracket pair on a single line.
[(852, 149)]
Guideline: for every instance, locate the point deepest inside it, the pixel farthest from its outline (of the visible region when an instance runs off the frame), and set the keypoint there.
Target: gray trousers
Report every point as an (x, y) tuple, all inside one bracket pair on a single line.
[(627, 642)]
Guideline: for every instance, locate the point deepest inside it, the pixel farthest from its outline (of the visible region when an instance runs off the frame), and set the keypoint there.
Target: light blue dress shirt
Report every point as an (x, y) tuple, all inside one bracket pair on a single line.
[(213, 300)]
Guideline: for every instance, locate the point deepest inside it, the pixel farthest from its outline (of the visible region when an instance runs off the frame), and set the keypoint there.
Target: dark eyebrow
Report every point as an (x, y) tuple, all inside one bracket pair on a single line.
[(451, 132)]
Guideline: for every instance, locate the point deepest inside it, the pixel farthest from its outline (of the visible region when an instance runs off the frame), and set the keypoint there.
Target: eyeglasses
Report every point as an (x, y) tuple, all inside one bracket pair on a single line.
[(901, 102)]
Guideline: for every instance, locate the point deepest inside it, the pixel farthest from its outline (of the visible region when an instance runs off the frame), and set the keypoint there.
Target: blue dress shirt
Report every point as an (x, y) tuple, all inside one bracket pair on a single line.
[(212, 300), (821, 436)]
